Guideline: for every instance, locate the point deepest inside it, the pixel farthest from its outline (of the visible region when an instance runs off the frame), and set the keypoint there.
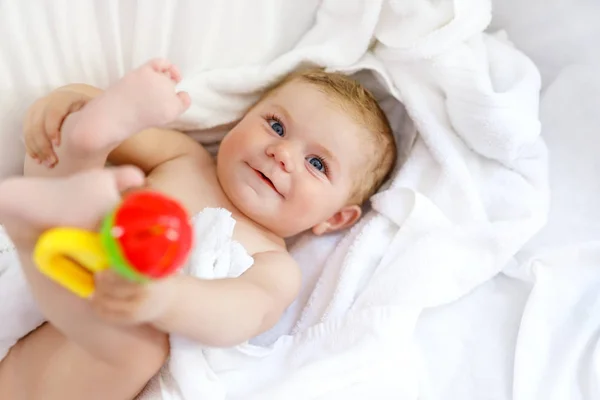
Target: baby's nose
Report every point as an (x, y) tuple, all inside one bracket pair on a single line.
[(282, 153)]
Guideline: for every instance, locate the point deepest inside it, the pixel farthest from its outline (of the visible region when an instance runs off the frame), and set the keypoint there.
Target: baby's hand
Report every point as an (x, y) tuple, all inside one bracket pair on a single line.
[(43, 121), (121, 301)]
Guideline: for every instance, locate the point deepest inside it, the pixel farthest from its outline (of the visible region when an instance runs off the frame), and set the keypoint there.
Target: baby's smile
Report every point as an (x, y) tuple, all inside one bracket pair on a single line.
[(268, 181)]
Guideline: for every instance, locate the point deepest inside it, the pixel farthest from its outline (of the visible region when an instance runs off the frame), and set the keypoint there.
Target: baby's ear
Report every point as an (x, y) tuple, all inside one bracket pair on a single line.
[(344, 218)]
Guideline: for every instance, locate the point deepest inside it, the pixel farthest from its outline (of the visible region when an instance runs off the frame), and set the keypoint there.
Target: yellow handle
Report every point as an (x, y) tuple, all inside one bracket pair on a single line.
[(70, 257)]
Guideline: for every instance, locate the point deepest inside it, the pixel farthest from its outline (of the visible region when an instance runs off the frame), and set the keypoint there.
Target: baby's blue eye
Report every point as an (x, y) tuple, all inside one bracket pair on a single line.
[(277, 127), (317, 163)]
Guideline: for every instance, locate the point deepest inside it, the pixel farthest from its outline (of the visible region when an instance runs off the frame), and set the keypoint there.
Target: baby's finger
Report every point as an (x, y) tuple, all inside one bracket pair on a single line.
[(31, 124), (111, 285), (110, 310), (52, 124), (108, 278), (32, 155), (32, 127), (57, 119), (31, 149), (43, 149), (29, 146)]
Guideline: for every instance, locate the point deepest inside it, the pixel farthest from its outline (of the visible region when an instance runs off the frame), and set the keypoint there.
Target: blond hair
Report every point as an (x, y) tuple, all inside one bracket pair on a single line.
[(363, 107)]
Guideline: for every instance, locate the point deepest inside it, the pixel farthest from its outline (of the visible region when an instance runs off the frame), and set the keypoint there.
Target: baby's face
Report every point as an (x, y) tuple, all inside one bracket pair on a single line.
[(292, 161)]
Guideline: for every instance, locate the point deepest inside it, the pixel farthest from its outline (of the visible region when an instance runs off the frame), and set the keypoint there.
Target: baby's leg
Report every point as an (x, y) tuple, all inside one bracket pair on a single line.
[(47, 365), (75, 355), (142, 99)]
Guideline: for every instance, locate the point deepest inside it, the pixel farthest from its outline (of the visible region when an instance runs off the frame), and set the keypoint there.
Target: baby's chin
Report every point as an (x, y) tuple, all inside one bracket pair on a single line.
[(271, 217)]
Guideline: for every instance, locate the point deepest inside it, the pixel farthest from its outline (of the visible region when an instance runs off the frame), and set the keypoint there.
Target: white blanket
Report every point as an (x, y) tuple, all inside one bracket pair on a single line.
[(471, 193), (531, 332)]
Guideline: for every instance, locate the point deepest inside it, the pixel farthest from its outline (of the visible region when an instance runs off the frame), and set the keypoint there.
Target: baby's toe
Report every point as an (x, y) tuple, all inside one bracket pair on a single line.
[(165, 67), (186, 101), (174, 73)]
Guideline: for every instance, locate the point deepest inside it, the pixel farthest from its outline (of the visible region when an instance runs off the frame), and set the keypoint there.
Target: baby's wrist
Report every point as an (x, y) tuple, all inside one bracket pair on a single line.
[(167, 301)]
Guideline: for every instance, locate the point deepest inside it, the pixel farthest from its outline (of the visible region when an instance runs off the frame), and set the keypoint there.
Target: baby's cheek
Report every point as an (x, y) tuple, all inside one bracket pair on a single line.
[(319, 203)]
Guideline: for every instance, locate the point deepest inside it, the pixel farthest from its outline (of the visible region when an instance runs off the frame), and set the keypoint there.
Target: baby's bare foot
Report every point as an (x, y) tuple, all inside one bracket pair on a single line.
[(30, 206), (142, 99)]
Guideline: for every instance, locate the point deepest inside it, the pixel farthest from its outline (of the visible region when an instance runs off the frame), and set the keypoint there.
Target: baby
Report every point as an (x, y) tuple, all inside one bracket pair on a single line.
[(304, 157)]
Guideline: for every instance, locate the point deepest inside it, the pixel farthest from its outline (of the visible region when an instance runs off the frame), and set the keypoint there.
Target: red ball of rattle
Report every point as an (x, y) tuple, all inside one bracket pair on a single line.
[(147, 237)]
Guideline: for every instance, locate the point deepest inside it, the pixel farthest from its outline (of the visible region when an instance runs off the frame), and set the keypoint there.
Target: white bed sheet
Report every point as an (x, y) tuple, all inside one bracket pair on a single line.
[(479, 347)]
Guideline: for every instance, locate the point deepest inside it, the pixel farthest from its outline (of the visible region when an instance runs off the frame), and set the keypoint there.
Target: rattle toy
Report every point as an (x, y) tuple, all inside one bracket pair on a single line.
[(147, 236)]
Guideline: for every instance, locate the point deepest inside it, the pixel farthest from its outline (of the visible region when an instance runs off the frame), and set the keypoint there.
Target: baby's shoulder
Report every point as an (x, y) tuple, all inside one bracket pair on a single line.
[(274, 268)]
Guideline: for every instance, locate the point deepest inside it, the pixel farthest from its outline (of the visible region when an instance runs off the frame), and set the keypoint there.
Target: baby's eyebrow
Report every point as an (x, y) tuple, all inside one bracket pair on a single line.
[(327, 155), (286, 115)]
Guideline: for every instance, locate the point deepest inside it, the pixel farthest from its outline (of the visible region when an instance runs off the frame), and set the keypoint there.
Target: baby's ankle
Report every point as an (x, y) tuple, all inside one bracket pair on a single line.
[(80, 139)]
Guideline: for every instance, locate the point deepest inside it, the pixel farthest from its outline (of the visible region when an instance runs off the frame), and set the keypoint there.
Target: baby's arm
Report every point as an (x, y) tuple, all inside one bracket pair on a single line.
[(42, 124), (226, 312), (147, 149), (153, 147)]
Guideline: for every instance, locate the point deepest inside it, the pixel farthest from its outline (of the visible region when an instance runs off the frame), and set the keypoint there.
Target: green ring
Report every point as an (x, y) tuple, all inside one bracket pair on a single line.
[(116, 259)]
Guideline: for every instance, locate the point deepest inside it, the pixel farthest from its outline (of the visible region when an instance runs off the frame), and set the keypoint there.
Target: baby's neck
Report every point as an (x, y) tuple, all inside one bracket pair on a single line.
[(252, 227)]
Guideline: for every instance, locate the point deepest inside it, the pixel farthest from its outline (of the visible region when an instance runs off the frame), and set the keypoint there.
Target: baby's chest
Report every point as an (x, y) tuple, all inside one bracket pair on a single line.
[(204, 191), (194, 185), (198, 188)]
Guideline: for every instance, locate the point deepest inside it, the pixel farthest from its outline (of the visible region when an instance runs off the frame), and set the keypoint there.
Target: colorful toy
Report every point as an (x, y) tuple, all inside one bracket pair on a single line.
[(148, 236)]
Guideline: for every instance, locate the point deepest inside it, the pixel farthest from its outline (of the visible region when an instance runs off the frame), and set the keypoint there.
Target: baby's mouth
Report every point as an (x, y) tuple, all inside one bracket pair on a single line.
[(267, 181)]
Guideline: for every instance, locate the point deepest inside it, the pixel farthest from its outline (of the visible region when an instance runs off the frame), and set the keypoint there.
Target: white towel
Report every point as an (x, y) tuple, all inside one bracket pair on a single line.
[(472, 192), (530, 335), (215, 255), (18, 309)]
